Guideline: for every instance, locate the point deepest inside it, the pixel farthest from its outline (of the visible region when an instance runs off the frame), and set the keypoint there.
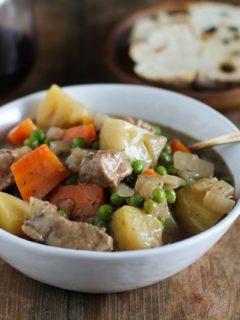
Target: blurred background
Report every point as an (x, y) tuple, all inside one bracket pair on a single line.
[(69, 39), (66, 40)]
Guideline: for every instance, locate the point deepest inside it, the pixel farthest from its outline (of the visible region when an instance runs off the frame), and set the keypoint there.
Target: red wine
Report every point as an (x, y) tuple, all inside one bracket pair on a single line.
[(17, 52)]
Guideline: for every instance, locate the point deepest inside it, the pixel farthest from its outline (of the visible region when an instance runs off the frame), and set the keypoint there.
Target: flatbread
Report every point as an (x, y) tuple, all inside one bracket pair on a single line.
[(198, 47)]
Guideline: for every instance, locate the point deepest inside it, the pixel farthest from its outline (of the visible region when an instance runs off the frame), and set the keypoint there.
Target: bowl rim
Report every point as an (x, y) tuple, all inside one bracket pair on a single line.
[(49, 250)]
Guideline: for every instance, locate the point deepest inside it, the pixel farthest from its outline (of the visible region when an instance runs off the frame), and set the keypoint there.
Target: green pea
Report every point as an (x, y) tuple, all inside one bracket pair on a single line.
[(137, 166), (63, 214), (159, 195), (96, 144), (158, 130), (165, 158), (38, 135), (48, 140), (172, 170), (167, 148), (161, 170), (73, 179), (136, 201), (31, 143), (150, 206), (116, 200), (105, 212), (79, 142), (171, 196)]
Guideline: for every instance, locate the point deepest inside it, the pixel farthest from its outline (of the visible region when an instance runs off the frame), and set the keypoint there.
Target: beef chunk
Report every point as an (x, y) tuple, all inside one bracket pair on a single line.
[(104, 168), (7, 158), (48, 227)]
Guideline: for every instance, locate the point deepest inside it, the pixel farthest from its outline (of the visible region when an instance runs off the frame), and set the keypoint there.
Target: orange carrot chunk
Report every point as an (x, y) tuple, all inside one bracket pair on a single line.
[(150, 172), (81, 201), (177, 145), (86, 131), (38, 172), (21, 132)]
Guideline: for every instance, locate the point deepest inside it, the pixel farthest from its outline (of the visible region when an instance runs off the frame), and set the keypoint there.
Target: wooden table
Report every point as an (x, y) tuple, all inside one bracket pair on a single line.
[(70, 36)]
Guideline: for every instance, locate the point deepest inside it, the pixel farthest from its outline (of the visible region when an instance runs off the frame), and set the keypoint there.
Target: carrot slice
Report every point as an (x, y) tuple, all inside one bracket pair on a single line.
[(81, 201), (177, 145), (38, 172), (86, 131), (21, 132), (150, 172)]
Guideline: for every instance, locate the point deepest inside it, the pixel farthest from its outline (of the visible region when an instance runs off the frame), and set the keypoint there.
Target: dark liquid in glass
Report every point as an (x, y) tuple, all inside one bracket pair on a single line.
[(17, 52)]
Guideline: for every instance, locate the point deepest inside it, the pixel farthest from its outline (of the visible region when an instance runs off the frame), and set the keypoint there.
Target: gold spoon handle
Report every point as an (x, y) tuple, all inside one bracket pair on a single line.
[(227, 138)]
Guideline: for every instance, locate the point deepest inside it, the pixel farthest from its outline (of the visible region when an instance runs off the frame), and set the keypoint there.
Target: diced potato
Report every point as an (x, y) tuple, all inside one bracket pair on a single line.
[(191, 212), (138, 143), (132, 229), (13, 211), (59, 110), (154, 145)]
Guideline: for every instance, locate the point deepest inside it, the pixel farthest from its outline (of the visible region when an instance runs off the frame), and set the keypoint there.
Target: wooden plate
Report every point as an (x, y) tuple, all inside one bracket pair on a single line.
[(121, 67)]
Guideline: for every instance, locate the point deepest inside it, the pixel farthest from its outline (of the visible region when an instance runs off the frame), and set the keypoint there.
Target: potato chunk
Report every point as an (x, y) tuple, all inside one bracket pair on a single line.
[(59, 110), (138, 143), (13, 211), (193, 214), (132, 229)]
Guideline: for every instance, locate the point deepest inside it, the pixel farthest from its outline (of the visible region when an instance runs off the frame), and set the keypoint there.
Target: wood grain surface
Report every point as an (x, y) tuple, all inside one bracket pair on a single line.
[(70, 37)]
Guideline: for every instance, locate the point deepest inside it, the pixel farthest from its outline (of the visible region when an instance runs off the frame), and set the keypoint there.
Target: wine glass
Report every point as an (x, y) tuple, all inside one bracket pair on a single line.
[(17, 42)]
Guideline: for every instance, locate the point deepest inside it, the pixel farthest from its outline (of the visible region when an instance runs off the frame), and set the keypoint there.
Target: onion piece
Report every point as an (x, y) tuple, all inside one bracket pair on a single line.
[(204, 184), (192, 163), (74, 160), (55, 133), (171, 232), (60, 146), (187, 175), (154, 145), (172, 182), (98, 119), (218, 202), (123, 190), (145, 185), (223, 188)]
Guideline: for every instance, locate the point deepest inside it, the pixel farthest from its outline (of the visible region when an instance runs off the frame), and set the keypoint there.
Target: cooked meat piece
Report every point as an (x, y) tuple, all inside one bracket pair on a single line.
[(55, 133), (7, 158), (105, 168), (48, 227), (140, 123)]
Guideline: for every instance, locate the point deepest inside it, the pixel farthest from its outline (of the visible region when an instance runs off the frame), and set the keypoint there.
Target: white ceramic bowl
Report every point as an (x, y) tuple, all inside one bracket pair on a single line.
[(88, 271)]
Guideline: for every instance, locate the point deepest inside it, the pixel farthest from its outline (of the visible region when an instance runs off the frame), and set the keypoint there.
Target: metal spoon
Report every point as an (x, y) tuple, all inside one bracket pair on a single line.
[(227, 138)]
